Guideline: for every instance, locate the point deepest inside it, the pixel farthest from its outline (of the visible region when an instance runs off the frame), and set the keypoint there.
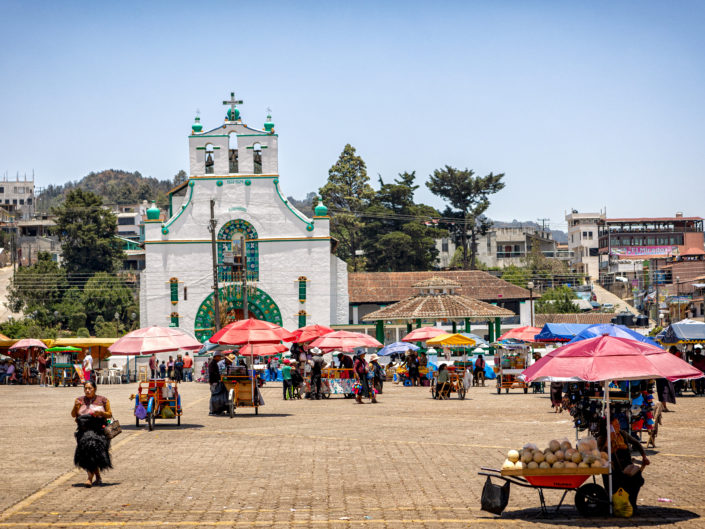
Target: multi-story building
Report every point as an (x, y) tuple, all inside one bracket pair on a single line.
[(626, 244), (17, 197), (583, 242)]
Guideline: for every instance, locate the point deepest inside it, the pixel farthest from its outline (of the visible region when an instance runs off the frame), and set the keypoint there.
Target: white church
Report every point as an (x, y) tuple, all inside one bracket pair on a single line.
[(293, 278)]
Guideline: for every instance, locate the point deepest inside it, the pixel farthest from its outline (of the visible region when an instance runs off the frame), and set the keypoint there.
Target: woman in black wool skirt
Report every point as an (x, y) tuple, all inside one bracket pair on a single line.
[(92, 446)]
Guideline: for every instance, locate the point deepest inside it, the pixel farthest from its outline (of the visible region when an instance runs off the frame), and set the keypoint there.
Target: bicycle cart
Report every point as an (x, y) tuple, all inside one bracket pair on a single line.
[(161, 399), (591, 499), (243, 390), (455, 384), (64, 366)]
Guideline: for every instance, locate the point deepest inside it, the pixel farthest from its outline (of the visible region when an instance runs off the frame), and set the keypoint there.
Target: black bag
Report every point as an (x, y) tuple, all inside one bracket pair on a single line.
[(494, 497), (219, 398)]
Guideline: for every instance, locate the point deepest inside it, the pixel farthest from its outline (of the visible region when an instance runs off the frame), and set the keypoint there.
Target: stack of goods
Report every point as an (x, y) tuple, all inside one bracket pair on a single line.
[(642, 412), (559, 455)]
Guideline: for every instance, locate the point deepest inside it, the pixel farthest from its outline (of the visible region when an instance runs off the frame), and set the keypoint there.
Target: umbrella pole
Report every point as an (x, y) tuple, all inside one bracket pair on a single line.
[(609, 442)]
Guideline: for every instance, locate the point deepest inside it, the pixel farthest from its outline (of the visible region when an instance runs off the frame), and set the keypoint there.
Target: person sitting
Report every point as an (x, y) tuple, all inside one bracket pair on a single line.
[(11, 373), (479, 371), (625, 474), (443, 383)]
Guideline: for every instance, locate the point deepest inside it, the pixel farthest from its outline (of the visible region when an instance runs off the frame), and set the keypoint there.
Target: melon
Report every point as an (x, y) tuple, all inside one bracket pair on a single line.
[(518, 465), (570, 464), (589, 459), (583, 464), (543, 464), (560, 455), (554, 445), (565, 445), (513, 456), (569, 453), (533, 464), (576, 457), (527, 456), (559, 464), (597, 464), (539, 457), (507, 465), (604, 455), (551, 458)]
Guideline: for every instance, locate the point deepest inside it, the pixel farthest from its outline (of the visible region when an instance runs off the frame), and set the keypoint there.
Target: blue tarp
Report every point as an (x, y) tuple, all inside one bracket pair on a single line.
[(610, 329), (560, 332), (684, 331), (397, 347)]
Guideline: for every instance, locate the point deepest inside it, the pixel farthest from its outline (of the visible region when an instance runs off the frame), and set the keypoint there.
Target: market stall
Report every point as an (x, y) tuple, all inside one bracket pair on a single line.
[(510, 361), (65, 369)]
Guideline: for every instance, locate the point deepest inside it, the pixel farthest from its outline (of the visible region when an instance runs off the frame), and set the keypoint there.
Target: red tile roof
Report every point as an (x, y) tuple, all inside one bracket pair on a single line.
[(590, 318), (438, 307), (390, 287)]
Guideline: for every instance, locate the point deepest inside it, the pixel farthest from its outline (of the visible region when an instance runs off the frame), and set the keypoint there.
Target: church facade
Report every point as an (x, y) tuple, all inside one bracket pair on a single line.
[(266, 251)]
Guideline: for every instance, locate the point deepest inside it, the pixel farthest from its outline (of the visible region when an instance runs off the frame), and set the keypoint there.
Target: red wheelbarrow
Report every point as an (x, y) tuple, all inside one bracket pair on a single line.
[(591, 499)]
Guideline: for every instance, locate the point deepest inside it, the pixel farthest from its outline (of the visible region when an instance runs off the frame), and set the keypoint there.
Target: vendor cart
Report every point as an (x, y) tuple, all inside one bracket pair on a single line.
[(455, 383), (161, 399), (591, 499), (510, 361), (334, 381), (65, 369), (243, 389)]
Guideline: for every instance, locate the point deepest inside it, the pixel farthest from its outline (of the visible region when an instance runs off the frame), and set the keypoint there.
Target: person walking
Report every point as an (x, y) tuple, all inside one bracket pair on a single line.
[(87, 366), (557, 396), (361, 369), (170, 367), (378, 375), (214, 381), (273, 369), (92, 446), (188, 368), (286, 380), (179, 369), (42, 369), (153, 365)]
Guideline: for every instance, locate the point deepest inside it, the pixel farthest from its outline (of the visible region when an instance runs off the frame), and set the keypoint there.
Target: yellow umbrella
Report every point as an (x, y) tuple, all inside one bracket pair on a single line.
[(450, 339)]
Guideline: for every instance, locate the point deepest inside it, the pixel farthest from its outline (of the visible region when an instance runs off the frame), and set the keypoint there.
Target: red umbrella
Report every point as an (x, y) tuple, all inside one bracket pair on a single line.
[(153, 340), (262, 349), (609, 358), (345, 341), (250, 331), (422, 334), (26, 343), (520, 334), (310, 332)]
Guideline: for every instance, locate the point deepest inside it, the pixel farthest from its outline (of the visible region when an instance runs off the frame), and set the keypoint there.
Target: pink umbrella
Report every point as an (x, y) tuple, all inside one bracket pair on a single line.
[(153, 340), (344, 341), (251, 330), (520, 334), (262, 349), (310, 332), (26, 343), (422, 334), (606, 358)]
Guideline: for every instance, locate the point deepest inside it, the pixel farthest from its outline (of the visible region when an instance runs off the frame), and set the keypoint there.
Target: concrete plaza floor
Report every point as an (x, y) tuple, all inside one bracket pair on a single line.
[(406, 462)]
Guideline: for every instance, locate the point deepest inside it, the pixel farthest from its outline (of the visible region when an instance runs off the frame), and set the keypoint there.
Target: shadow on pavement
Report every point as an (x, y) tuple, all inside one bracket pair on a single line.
[(160, 425), (646, 516)]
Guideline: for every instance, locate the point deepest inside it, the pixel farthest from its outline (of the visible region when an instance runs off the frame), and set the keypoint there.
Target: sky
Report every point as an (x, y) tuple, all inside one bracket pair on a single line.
[(582, 105)]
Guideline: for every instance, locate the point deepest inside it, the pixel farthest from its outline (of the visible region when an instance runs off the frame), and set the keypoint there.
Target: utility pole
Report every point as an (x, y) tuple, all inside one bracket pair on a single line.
[(543, 224), (212, 223), (243, 260)]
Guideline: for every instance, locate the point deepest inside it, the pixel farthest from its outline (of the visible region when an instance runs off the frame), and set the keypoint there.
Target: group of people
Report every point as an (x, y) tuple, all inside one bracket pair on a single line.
[(179, 369), (26, 372)]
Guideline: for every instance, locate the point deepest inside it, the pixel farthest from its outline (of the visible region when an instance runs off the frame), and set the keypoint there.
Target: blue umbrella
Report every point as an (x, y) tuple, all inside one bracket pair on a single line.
[(611, 329), (397, 347)]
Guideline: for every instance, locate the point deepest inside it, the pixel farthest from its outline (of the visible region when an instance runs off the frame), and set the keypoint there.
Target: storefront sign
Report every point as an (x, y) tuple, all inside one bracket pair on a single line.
[(642, 250)]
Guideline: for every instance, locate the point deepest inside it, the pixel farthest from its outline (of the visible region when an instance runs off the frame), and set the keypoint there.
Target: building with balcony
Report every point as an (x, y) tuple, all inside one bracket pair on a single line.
[(583, 242), (17, 197)]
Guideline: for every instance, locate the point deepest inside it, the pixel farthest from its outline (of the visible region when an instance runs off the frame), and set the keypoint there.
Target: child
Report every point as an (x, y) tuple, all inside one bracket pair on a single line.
[(162, 370)]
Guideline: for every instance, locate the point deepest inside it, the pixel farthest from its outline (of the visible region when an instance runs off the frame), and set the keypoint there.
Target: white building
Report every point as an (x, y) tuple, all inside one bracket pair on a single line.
[(292, 275), (17, 197), (583, 242)]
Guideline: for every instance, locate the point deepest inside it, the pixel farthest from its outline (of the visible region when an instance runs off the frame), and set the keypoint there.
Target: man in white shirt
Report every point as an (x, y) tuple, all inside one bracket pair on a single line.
[(88, 367)]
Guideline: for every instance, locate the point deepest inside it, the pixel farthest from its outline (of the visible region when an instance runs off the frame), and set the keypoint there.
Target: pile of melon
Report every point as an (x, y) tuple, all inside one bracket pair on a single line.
[(557, 455)]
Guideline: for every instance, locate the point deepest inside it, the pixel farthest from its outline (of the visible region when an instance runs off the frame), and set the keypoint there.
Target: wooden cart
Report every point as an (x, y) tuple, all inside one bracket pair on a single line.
[(510, 361), (158, 396), (591, 499), (243, 390), (64, 366), (455, 383)]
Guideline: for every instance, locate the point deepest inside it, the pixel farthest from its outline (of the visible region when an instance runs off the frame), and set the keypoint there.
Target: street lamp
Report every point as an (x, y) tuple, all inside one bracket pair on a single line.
[(530, 286), (678, 295)]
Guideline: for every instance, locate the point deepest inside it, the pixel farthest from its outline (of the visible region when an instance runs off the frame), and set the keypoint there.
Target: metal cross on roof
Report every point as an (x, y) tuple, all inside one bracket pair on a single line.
[(232, 103)]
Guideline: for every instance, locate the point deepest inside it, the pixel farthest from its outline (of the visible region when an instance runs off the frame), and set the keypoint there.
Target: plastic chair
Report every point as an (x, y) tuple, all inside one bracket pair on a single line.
[(143, 375)]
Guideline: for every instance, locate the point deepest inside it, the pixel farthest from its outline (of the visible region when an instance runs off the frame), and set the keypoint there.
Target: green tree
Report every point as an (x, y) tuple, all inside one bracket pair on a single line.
[(467, 195), (86, 231), (105, 295), (347, 193), (180, 177), (38, 289), (557, 300), (516, 275)]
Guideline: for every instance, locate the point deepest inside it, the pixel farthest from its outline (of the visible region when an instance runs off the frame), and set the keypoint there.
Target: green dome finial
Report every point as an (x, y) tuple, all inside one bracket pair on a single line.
[(269, 125), (230, 114), (320, 210), (153, 212), (197, 127)]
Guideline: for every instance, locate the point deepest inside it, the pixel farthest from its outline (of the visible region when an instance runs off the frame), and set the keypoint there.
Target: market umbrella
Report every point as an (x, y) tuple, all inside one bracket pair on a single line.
[(345, 341), (64, 349), (611, 329), (26, 343), (310, 332), (154, 339), (450, 339), (396, 348), (251, 330), (262, 349), (684, 331), (479, 340), (520, 334), (422, 334), (608, 358)]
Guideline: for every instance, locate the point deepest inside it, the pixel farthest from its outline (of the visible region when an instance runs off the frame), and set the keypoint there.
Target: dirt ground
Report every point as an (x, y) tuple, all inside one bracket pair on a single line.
[(408, 461)]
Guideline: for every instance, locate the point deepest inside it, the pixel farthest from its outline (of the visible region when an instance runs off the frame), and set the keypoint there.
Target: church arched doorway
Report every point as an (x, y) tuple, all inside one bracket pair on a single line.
[(259, 304)]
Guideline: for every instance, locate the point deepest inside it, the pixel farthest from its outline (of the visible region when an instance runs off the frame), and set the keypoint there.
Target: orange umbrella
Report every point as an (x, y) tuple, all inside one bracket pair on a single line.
[(262, 349), (422, 334), (250, 331), (310, 332)]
